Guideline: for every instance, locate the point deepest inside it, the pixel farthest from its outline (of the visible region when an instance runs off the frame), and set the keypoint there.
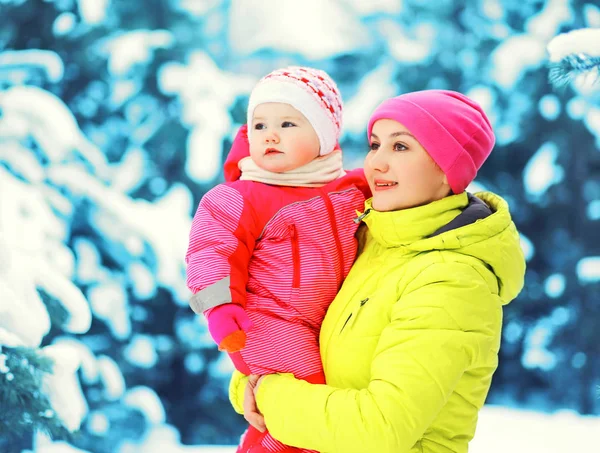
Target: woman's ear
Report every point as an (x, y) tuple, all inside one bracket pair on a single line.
[(446, 185)]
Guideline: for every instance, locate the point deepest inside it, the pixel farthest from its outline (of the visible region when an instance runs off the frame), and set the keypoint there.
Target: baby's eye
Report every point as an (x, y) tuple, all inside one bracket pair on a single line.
[(288, 124), (374, 146), (259, 126)]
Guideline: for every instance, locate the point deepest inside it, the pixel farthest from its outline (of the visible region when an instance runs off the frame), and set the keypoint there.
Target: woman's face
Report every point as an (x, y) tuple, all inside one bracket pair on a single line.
[(399, 171)]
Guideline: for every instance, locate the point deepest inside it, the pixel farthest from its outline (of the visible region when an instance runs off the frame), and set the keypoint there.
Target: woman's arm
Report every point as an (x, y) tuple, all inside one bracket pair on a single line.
[(446, 323), (237, 388)]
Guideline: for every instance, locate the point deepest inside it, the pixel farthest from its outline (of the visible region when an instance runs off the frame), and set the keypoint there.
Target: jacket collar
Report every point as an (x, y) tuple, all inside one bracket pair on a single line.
[(406, 226)]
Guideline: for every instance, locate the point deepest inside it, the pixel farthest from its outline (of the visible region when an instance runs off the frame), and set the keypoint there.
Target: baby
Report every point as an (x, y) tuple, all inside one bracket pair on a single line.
[(270, 248)]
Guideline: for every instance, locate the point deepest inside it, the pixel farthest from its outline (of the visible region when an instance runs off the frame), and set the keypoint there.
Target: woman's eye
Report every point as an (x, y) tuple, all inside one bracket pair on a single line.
[(259, 126), (287, 124), (400, 147), (374, 146)]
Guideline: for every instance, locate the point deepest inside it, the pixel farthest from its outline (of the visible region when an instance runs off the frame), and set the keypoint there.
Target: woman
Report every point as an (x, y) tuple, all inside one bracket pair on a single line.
[(411, 341)]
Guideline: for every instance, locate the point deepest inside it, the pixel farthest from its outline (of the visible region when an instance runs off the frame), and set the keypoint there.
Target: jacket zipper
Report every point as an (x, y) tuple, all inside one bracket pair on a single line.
[(359, 219), (338, 244), (295, 257)]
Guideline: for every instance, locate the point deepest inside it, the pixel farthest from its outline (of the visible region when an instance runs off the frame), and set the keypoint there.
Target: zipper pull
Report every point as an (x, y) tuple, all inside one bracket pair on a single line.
[(358, 219)]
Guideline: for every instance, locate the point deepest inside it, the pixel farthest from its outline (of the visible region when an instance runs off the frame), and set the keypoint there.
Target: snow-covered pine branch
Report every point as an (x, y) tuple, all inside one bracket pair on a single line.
[(575, 57), (25, 406)]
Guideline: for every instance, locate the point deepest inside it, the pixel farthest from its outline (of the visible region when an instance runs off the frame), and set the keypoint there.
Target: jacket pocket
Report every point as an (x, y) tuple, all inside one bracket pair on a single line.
[(346, 322), (295, 256), (351, 319)]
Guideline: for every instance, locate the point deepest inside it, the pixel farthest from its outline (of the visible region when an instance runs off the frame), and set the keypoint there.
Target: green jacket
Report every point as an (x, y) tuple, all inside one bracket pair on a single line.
[(410, 343)]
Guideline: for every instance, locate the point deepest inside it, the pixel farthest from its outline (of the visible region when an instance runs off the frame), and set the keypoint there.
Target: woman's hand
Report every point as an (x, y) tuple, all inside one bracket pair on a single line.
[(251, 412)]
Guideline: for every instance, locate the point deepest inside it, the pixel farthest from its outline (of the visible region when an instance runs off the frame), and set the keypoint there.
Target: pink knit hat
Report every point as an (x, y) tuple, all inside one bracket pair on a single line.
[(452, 128), (310, 91)]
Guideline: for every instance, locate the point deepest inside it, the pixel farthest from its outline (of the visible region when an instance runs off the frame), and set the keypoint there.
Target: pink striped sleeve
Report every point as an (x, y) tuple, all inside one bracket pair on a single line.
[(221, 243)]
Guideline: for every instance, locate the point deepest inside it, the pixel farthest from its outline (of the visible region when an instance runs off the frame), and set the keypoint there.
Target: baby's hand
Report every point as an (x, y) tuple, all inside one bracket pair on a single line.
[(228, 324)]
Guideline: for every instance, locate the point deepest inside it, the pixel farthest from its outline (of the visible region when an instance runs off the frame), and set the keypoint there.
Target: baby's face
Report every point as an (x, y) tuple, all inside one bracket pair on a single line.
[(281, 138)]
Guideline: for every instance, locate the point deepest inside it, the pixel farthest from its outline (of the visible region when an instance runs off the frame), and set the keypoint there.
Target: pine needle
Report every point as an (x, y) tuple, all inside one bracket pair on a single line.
[(566, 70)]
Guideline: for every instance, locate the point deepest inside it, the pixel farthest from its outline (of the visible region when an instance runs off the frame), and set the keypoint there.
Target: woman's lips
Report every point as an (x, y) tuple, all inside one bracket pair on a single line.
[(382, 184)]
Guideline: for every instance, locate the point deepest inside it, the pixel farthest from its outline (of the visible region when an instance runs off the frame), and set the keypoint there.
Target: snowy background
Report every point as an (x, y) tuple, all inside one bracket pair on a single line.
[(115, 116)]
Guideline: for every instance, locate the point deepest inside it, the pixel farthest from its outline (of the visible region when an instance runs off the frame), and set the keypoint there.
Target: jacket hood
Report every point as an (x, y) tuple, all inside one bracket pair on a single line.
[(240, 148), (477, 225)]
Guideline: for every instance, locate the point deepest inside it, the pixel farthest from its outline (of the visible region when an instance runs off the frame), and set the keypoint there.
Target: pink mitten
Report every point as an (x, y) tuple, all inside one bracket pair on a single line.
[(228, 324)]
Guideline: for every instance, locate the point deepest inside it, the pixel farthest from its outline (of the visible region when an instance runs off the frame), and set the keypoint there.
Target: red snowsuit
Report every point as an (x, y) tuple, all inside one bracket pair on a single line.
[(282, 253)]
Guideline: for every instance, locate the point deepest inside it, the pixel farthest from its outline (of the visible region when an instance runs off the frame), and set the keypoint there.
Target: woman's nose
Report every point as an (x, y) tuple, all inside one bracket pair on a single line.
[(379, 161)]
